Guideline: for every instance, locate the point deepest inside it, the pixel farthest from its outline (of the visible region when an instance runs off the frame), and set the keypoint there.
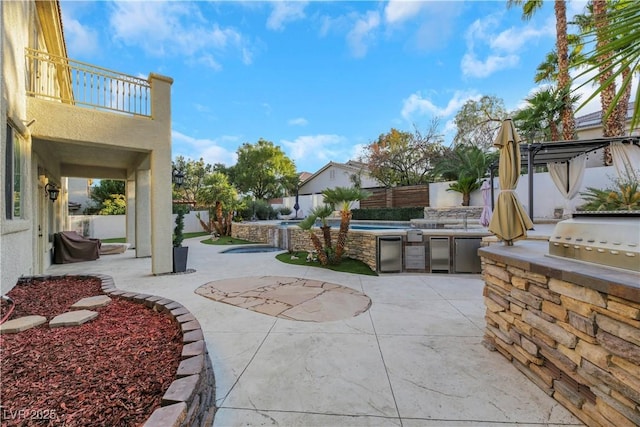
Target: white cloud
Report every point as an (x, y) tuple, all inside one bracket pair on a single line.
[(490, 50), (80, 40), (472, 66), (175, 29), (417, 105), (362, 33), (398, 11), (284, 12), (318, 147), (209, 61), (513, 39), (210, 150), (298, 121)]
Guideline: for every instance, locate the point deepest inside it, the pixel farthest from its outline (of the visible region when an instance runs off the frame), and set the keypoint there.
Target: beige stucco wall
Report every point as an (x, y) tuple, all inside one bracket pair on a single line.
[(17, 249), (145, 140)]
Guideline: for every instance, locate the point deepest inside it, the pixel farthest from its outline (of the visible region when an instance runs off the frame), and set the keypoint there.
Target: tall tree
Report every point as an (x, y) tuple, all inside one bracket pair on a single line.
[(475, 122), (264, 170), (612, 57), (466, 165), (194, 175), (107, 190), (564, 80), (404, 158), (221, 198), (529, 8), (540, 119), (610, 124), (343, 197)]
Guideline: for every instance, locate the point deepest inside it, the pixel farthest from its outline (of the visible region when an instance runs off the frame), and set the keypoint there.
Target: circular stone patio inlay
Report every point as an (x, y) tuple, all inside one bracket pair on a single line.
[(289, 297)]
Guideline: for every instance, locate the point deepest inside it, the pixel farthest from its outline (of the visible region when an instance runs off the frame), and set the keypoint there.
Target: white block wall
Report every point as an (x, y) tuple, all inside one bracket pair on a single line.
[(113, 226)]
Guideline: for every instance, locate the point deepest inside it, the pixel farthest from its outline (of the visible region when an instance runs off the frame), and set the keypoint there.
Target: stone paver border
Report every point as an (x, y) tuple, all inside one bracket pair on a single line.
[(190, 399)]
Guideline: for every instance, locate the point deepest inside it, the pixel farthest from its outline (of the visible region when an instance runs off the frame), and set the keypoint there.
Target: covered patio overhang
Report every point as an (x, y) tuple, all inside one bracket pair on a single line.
[(70, 140), (542, 153)]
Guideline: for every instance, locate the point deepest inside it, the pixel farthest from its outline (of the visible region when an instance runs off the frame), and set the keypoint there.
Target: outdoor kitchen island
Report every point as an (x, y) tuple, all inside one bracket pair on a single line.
[(571, 327)]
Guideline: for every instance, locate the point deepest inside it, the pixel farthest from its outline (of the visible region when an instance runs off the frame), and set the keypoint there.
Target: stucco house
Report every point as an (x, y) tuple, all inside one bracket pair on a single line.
[(56, 126), (335, 174), (331, 175)]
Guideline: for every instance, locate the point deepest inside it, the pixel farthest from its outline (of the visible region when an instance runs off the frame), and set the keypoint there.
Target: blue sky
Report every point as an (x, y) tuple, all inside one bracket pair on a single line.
[(321, 79)]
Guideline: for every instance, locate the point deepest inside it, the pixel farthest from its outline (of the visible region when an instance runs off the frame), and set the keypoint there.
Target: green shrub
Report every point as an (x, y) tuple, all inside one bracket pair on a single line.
[(285, 210), (258, 209), (626, 197)]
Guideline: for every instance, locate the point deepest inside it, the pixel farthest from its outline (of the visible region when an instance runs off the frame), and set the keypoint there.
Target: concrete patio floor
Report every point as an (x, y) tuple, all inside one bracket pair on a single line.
[(415, 358)]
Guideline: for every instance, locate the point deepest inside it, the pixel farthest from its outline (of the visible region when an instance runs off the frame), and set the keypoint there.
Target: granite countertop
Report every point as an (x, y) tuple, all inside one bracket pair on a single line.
[(533, 256)]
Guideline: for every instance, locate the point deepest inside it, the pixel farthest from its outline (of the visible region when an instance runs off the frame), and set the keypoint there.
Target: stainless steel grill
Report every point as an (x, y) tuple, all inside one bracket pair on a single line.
[(610, 239)]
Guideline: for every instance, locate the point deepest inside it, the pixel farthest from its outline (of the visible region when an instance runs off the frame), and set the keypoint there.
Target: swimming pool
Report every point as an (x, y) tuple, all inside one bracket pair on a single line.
[(252, 249), (377, 227), (362, 225)]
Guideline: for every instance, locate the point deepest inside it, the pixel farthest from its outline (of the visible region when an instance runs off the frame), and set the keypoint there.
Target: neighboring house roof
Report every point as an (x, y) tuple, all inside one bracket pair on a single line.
[(351, 167), (346, 166), (595, 119), (303, 176)]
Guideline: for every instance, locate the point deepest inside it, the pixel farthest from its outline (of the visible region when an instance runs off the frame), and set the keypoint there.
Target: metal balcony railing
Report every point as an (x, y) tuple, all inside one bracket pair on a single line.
[(65, 80)]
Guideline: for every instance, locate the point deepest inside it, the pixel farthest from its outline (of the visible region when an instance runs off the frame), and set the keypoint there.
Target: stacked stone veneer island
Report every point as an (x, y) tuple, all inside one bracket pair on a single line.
[(190, 398), (572, 328), (360, 245)]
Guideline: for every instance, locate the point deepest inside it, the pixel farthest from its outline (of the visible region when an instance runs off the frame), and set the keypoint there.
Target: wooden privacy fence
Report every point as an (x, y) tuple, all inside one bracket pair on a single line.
[(397, 197)]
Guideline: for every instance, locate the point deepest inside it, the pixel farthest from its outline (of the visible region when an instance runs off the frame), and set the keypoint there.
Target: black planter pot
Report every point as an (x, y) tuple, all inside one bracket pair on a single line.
[(180, 259)]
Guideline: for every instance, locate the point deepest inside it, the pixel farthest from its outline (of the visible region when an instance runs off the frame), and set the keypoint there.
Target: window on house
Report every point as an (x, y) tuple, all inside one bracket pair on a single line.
[(13, 175), (332, 174)]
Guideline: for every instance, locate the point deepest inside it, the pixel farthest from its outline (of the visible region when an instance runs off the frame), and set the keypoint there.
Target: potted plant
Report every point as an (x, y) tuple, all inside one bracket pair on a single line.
[(180, 252)]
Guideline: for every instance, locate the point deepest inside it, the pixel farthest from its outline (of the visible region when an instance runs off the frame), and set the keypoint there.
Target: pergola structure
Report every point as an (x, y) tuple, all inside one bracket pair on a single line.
[(541, 153)]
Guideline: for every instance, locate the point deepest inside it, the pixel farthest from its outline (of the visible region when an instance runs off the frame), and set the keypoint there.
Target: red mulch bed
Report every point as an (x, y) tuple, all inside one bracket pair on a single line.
[(110, 371)]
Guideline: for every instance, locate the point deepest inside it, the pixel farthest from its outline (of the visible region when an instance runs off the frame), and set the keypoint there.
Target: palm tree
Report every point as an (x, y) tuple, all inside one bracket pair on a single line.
[(323, 212), (467, 165), (611, 58), (540, 119), (344, 197), (307, 224), (529, 8), (466, 185)]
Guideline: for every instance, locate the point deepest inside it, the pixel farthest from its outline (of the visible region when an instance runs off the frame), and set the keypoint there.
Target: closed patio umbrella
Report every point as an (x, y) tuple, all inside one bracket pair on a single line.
[(509, 222)]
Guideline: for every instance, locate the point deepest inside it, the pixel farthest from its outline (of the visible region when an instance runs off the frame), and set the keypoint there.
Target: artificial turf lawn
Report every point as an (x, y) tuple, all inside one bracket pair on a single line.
[(225, 240), (348, 265)]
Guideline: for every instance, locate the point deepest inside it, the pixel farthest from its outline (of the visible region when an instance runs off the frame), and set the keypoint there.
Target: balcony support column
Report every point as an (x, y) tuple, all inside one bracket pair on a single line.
[(161, 190), (130, 218), (143, 213)]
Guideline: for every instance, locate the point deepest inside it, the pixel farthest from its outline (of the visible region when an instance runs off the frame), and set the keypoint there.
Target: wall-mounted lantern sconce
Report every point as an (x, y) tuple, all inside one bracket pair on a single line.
[(178, 177), (52, 191)]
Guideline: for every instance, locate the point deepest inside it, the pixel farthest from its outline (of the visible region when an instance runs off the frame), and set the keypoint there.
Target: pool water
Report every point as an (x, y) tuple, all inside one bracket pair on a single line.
[(378, 227), (252, 249)]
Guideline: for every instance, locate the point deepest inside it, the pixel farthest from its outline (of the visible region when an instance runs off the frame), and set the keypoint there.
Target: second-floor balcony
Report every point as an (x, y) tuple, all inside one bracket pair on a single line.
[(65, 80)]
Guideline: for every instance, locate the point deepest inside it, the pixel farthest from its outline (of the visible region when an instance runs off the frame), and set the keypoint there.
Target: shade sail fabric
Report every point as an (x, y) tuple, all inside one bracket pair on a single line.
[(485, 216), (568, 178), (509, 222)]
